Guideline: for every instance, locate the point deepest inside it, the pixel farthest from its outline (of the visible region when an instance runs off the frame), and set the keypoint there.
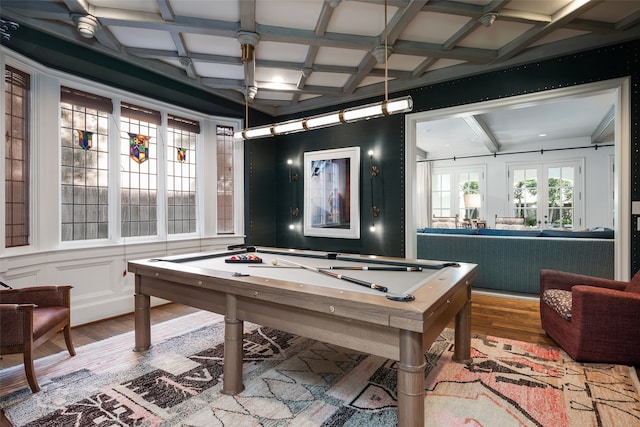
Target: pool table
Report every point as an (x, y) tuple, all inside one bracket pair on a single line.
[(332, 297)]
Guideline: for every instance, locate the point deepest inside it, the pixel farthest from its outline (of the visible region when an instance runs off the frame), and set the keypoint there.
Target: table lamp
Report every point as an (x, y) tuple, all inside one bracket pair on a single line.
[(473, 201)]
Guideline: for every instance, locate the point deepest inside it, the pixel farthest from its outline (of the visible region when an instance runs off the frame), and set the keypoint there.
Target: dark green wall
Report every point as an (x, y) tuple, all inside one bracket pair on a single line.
[(260, 191), (386, 139)]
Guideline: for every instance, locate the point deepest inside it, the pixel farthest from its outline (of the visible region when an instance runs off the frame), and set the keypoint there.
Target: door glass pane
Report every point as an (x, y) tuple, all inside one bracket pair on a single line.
[(525, 194), (560, 182), (441, 195), (468, 206)]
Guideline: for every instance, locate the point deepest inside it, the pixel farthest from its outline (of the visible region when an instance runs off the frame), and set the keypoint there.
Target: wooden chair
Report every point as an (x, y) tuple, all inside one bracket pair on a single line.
[(29, 317), (510, 223), (444, 221)]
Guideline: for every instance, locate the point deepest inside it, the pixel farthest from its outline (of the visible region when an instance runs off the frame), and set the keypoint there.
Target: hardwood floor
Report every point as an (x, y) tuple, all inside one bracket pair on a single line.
[(491, 315), (512, 318)]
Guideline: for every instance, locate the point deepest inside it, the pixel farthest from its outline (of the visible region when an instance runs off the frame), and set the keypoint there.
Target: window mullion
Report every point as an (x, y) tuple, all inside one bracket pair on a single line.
[(162, 196)]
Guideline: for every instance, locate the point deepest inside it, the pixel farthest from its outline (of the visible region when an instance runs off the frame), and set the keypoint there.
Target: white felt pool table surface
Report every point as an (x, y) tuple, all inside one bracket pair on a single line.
[(397, 282)]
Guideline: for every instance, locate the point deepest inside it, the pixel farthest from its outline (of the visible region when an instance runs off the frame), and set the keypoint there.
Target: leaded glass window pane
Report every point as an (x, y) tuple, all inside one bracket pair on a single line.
[(84, 168)]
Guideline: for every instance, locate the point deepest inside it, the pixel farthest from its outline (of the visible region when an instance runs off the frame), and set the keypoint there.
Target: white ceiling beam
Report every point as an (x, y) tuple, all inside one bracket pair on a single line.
[(482, 129), (565, 15), (166, 11), (474, 23), (248, 16), (77, 6), (605, 127)]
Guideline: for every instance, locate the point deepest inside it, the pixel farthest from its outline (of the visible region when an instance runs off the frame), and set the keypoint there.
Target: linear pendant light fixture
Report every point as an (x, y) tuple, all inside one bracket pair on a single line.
[(348, 115)]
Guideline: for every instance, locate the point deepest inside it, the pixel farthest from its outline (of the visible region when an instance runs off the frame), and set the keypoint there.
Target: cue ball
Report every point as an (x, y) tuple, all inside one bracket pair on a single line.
[(274, 261)]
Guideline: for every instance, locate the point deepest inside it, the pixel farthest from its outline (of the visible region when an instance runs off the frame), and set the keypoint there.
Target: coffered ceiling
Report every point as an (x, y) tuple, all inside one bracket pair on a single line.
[(317, 53)]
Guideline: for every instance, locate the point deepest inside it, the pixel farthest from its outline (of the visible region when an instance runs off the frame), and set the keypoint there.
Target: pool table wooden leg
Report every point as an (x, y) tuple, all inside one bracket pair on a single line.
[(142, 320), (462, 344), (232, 369), (411, 380)]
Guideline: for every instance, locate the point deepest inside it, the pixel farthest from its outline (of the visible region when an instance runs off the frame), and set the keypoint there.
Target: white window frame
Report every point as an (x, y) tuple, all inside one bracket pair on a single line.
[(30, 68), (542, 202), (456, 204), (45, 228)]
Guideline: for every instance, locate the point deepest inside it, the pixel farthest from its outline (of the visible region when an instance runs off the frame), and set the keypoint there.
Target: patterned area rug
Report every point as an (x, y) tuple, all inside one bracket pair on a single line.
[(293, 381)]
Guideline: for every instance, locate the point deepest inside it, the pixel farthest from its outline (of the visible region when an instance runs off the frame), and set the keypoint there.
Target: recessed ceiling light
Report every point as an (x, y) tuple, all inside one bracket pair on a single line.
[(542, 134), (277, 79)]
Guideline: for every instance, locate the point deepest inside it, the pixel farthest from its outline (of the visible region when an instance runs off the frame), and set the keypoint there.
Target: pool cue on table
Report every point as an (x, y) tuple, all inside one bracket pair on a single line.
[(336, 275), (337, 267), (367, 268), (271, 266), (389, 296)]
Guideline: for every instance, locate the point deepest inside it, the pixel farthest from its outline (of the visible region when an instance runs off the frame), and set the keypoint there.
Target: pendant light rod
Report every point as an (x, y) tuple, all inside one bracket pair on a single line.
[(347, 115), (386, 55), (246, 90)]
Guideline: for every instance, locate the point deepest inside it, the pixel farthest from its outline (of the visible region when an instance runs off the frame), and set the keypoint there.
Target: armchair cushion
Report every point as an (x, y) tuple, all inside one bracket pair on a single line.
[(44, 317), (603, 327), (559, 300)]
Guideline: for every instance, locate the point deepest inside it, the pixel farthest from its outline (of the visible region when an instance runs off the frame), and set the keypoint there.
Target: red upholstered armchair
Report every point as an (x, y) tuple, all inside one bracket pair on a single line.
[(591, 318), (31, 316)]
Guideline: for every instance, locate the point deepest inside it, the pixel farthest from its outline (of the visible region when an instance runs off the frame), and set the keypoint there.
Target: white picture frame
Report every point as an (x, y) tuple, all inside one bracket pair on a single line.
[(332, 193)]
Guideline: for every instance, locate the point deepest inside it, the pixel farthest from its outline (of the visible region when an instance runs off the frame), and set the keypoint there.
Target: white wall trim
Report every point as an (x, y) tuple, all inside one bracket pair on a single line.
[(102, 286)]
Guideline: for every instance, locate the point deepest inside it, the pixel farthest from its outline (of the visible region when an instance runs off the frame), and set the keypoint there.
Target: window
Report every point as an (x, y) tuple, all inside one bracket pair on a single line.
[(181, 175), (468, 186), (524, 195), (560, 204), (85, 169), (547, 194), (114, 168), (139, 171), (441, 194), (84, 146), (449, 188), (224, 136), (17, 94)]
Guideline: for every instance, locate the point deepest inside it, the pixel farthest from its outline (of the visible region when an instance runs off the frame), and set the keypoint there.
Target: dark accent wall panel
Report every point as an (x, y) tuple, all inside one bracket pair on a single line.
[(580, 68), (261, 192), (386, 138)]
